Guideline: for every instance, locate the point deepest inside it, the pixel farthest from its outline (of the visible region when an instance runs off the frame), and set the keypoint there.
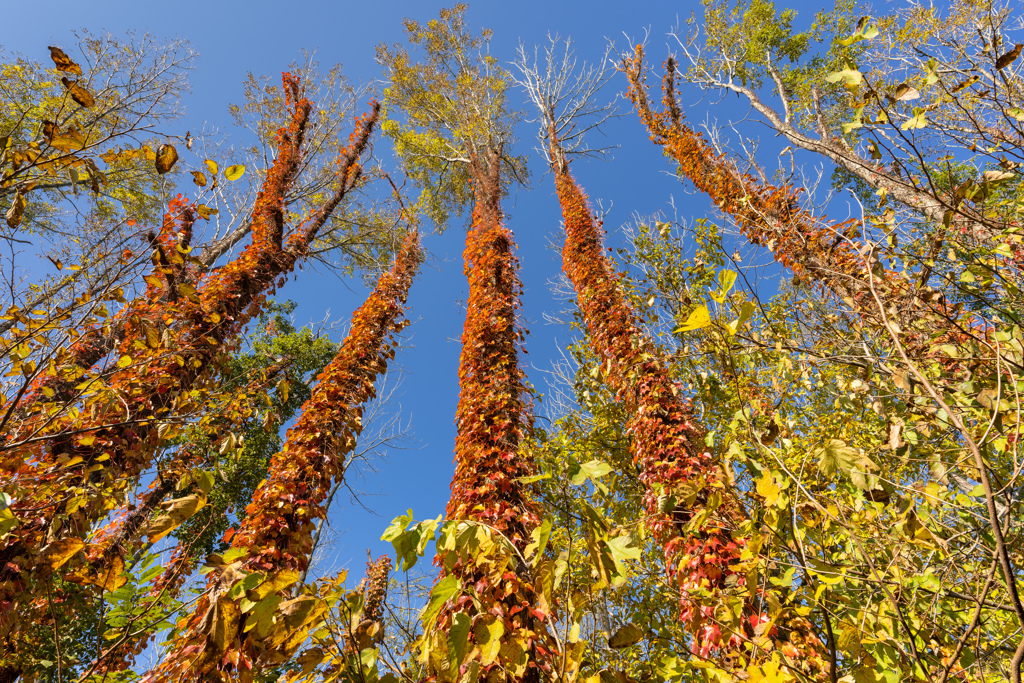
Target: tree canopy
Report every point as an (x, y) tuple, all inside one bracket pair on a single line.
[(783, 443)]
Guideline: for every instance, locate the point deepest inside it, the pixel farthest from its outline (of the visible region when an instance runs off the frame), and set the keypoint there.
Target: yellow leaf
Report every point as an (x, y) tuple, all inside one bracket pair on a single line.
[(625, 636), (771, 672), (850, 77), (124, 361), (63, 62), (918, 120), (199, 178), (166, 157), (488, 632), (16, 210), (767, 488), (111, 577), (274, 583), (234, 172), (224, 628), (212, 165), (78, 93), (178, 510), (57, 553), (698, 319)]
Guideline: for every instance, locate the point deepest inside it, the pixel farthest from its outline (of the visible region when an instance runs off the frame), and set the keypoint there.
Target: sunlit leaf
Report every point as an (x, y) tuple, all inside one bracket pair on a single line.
[(234, 172), (905, 93), (849, 77), (593, 470), (698, 319), (918, 120), (443, 591), (166, 157), (487, 634), (628, 635), (78, 93), (16, 210), (63, 62), (767, 488), (1008, 58), (55, 554), (206, 211)]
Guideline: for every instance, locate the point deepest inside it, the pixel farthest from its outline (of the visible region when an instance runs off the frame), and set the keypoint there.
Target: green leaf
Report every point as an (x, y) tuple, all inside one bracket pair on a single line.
[(458, 636), (745, 312), (409, 543), (444, 590), (7, 521), (540, 537), (621, 551)]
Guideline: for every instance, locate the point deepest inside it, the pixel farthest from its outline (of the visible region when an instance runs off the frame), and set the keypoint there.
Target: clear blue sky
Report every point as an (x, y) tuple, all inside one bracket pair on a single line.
[(233, 38)]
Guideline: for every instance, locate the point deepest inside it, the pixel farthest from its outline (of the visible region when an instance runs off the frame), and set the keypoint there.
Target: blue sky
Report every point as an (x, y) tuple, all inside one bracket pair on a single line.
[(233, 38)]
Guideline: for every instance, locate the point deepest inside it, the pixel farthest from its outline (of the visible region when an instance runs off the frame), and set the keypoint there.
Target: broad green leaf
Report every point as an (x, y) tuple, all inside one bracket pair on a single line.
[(621, 551), (539, 541), (458, 636), (444, 590)]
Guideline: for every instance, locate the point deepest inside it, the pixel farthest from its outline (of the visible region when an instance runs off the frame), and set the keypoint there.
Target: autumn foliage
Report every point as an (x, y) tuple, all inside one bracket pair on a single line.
[(274, 543), (826, 488), (506, 622), (687, 503), (82, 432), (830, 255)]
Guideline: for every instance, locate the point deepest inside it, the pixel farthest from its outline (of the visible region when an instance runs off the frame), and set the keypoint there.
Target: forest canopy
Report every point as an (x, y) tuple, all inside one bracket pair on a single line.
[(781, 443)]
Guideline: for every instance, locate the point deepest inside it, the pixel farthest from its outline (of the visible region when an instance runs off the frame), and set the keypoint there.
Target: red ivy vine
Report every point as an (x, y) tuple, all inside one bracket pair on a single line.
[(275, 541)]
